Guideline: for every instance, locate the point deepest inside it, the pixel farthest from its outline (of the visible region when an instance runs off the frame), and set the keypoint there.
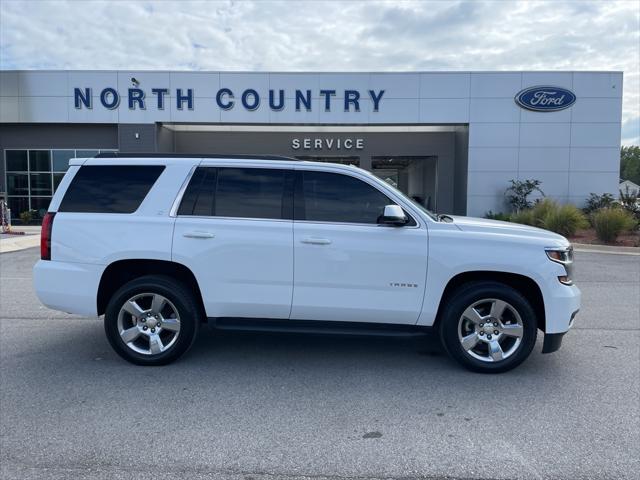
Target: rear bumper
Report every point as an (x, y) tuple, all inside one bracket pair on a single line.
[(68, 287)]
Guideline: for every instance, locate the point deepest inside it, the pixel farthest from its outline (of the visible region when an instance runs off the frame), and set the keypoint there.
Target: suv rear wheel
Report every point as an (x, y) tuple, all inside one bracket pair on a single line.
[(152, 320), (488, 327)]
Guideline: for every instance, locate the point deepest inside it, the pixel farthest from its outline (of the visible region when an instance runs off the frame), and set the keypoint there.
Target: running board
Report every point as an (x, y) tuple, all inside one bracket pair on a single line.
[(317, 327)]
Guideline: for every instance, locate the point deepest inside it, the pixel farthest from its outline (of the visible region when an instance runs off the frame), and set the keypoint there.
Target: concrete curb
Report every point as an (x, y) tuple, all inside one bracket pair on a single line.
[(615, 250)]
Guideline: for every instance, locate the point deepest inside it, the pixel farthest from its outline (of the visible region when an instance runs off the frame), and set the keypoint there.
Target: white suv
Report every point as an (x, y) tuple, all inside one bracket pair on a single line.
[(161, 244)]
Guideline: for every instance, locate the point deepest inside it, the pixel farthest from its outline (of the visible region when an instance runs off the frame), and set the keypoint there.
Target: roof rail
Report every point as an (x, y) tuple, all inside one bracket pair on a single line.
[(193, 155)]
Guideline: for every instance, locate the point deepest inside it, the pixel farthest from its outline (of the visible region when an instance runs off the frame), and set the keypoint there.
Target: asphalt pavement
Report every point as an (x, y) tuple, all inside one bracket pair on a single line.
[(247, 406)]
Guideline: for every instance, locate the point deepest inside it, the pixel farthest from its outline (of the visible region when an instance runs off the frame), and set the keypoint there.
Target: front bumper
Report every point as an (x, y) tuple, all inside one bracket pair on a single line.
[(553, 341), (561, 303)]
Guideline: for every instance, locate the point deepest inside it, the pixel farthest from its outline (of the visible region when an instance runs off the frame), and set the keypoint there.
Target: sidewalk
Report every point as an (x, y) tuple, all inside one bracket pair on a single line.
[(12, 243)]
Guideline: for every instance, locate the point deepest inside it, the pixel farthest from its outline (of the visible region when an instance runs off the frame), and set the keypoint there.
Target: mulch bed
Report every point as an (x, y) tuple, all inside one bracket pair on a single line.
[(589, 237)]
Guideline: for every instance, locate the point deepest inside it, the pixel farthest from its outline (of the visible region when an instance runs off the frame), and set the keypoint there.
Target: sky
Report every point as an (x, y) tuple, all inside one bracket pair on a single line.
[(330, 36)]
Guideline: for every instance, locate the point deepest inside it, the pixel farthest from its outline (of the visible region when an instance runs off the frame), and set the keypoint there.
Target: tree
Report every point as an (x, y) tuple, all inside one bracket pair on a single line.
[(629, 201), (517, 194), (630, 164)]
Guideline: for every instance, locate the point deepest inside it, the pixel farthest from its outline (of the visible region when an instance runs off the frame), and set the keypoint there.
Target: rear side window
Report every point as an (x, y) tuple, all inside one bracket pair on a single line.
[(239, 192), (198, 198), (332, 197), (109, 188)]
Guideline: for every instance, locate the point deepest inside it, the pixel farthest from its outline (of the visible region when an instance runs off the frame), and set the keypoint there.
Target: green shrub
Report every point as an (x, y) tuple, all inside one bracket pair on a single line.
[(630, 201), (596, 202), (611, 222), (525, 217), (535, 216), (564, 219), (26, 216), (518, 193), (542, 209), (497, 216)]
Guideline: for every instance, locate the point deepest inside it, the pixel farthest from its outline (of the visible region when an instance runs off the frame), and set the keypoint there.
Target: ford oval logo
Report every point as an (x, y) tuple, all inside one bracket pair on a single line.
[(545, 99)]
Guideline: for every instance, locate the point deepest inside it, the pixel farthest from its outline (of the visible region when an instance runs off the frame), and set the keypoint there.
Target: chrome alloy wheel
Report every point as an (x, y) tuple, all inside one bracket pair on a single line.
[(148, 323), (490, 330)]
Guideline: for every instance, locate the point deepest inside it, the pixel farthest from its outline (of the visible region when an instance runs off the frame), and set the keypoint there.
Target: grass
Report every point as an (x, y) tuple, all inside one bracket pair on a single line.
[(611, 222), (547, 214)]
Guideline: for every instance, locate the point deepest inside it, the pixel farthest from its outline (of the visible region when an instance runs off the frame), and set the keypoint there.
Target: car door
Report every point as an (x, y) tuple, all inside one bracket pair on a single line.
[(347, 266), (234, 231)]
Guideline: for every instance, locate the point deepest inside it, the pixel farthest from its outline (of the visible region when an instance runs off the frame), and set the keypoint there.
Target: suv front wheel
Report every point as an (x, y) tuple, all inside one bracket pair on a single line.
[(152, 320), (488, 327)]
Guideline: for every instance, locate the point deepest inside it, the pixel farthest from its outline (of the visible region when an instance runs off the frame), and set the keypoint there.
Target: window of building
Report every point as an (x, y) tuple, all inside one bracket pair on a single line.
[(57, 178), (109, 188), (18, 183), (32, 175), (17, 161), (40, 205), (61, 159), (40, 184), (237, 192), (17, 205), (39, 160), (86, 153), (332, 197)]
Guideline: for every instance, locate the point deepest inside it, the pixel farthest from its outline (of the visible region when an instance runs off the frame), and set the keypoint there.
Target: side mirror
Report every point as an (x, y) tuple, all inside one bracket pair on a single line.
[(393, 215)]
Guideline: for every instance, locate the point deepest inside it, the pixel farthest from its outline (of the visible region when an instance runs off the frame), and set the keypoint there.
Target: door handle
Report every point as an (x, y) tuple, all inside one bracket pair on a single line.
[(197, 234), (316, 241)]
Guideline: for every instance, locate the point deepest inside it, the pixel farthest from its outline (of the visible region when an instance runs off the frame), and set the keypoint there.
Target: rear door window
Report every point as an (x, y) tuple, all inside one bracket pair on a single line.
[(109, 188), (239, 193)]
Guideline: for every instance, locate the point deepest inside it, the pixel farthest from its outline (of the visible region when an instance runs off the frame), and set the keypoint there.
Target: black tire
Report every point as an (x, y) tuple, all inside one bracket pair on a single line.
[(470, 293), (178, 294)]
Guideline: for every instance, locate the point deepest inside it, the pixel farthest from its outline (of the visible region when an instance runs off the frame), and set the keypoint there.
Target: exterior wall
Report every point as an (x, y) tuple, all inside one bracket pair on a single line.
[(54, 136), (573, 151), (137, 138), (165, 139), (462, 170)]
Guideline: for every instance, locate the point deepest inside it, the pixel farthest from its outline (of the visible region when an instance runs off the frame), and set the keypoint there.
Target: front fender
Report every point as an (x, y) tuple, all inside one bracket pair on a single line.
[(453, 252)]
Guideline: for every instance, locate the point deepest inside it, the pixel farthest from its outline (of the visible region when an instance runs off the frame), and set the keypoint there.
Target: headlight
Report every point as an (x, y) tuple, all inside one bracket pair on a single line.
[(564, 256)]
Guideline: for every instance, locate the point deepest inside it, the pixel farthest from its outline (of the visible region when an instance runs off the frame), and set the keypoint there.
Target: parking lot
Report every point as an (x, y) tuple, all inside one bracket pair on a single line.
[(269, 406)]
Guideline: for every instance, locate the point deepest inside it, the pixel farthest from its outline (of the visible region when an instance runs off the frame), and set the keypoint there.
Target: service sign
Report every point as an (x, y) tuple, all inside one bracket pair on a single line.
[(545, 99)]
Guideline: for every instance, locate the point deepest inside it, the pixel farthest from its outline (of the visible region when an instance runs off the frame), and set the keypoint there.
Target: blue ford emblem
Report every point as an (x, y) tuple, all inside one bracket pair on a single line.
[(545, 99)]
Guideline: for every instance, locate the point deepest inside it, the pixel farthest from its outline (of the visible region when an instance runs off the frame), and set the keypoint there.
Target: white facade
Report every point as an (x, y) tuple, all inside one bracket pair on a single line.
[(573, 151)]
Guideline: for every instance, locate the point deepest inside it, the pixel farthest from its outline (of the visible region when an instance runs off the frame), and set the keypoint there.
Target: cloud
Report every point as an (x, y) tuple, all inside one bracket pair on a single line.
[(323, 36), (631, 131)]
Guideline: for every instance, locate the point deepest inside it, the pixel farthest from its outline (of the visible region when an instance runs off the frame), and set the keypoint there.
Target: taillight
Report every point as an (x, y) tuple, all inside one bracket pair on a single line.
[(45, 236)]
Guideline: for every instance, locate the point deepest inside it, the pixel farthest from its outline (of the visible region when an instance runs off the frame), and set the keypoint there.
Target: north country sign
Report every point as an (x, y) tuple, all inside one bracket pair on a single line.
[(226, 99), (545, 99)]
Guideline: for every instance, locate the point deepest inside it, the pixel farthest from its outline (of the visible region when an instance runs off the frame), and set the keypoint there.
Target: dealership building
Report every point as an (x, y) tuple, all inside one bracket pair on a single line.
[(451, 140)]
